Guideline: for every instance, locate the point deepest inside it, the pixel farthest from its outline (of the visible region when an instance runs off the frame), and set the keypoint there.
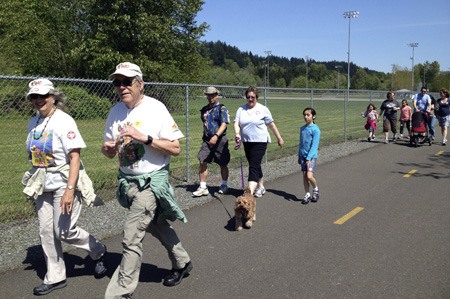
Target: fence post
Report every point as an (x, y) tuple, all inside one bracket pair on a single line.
[(311, 96), (188, 164)]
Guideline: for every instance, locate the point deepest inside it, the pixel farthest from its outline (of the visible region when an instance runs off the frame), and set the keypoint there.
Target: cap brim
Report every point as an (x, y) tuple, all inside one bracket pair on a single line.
[(39, 90)]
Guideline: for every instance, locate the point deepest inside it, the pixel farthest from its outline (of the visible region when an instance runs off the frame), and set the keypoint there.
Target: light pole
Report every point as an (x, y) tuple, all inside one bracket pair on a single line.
[(348, 15), (267, 82), (306, 62), (412, 45), (338, 67)]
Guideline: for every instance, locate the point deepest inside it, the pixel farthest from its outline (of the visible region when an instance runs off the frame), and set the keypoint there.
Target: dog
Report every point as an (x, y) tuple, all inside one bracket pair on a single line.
[(245, 210)]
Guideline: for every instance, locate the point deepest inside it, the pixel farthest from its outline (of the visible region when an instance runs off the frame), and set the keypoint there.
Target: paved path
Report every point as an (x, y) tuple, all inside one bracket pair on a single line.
[(396, 246)]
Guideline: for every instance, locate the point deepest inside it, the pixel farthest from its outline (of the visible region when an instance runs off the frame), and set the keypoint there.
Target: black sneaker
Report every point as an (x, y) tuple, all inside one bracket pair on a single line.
[(100, 266), (44, 289), (177, 275)]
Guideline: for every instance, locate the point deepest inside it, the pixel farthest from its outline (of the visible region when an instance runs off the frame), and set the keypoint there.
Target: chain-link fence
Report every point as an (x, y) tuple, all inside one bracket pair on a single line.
[(88, 102)]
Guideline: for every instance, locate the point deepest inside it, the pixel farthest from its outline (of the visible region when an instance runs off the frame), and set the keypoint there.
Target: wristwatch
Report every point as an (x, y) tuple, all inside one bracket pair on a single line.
[(70, 187), (149, 140)]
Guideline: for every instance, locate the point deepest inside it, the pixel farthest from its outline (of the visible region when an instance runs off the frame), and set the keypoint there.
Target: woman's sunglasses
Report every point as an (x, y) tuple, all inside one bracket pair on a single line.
[(124, 82), (35, 96)]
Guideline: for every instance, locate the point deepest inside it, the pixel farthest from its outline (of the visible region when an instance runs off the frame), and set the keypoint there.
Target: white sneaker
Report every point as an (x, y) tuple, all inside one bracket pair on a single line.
[(444, 142), (306, 199), (386, 141), (259, 192), (200, 192), (223, 189)]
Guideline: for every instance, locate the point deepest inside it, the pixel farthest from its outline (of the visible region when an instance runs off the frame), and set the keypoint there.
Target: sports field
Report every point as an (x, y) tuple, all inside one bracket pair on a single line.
[(286, 111)]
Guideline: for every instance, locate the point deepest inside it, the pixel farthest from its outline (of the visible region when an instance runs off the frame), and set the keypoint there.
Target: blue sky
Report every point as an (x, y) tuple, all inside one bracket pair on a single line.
[(317, 29)]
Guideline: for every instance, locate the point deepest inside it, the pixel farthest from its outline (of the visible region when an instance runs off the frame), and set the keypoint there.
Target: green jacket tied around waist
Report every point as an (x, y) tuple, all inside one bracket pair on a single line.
[(158, 182)]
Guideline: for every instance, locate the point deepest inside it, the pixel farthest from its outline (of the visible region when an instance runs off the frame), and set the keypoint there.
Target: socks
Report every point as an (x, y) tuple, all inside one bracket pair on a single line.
[(224, 183), (203, 185)]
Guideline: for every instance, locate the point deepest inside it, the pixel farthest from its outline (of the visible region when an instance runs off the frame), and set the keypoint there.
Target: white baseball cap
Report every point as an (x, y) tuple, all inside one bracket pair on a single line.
[(128, 69), (40, 86)]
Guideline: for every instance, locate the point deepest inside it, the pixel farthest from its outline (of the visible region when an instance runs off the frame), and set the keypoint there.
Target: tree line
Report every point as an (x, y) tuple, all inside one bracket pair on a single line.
[(87, 38)]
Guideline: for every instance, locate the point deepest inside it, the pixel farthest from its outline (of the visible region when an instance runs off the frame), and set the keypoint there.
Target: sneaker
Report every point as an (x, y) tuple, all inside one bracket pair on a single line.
[(44, 289), (373, 136), (306, 199), (444, 142), (386, 141), (201, 191), (401, 136), (100, 266), (432, 138), (369, 139), (259, 191), (315, 196), (223, 189)]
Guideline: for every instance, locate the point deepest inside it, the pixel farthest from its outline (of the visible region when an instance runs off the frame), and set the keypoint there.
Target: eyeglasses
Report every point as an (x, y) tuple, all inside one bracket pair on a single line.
[(35, 96), (124, 82), (251, 97)]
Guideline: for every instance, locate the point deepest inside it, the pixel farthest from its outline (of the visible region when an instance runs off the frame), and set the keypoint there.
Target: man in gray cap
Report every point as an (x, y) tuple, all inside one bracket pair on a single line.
[(144, 136), (214, 148)]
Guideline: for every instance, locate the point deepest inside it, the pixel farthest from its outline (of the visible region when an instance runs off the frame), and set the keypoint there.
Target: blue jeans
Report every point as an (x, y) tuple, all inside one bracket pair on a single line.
[(431, 123)]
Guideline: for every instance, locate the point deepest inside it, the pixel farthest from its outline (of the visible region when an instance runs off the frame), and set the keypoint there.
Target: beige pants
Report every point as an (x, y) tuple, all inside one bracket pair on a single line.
[(55, 227), (140, 219)]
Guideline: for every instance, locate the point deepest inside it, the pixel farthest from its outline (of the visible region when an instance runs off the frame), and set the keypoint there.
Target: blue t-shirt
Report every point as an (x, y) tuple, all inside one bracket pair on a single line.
[(309, 142), (422, 101)]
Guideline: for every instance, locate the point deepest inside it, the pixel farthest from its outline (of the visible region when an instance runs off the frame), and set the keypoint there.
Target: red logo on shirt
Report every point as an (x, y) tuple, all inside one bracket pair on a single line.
[(71, 135)]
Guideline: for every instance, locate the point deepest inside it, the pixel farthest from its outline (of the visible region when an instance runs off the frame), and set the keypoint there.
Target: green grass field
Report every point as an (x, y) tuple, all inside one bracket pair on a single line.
[(286, 111)]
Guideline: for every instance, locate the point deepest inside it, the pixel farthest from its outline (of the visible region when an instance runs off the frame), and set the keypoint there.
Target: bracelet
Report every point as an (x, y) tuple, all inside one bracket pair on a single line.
[(216, 135)]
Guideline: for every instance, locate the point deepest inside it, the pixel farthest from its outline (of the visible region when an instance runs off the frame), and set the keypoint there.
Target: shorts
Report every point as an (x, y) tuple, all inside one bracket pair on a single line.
[(217, 153), (390, 123), (444, 121), (312, 165)]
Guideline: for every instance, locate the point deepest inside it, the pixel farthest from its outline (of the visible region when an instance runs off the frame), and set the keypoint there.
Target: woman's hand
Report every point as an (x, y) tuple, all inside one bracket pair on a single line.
[(280, 142)]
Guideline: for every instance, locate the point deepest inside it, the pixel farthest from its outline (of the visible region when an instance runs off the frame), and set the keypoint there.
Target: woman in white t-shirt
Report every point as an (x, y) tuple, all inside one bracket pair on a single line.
[(250, 126), (54, 145)]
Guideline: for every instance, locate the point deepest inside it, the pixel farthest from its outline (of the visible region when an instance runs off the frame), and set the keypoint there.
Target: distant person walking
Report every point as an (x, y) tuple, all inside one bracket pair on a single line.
[(57, 183), (405, 118), (214, 147), (371, 116), (144, 136), (250, 126), (389, 107), (307, 154), (443, 113)]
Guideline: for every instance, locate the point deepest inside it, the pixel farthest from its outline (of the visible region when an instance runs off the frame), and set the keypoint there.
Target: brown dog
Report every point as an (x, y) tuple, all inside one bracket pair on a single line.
[(245, 210)]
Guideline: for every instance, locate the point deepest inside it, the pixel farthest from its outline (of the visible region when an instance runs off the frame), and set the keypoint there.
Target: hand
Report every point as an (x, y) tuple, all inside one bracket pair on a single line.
[(280, 142), (109, 148), (213, 140), (66, 203), (237, 139)]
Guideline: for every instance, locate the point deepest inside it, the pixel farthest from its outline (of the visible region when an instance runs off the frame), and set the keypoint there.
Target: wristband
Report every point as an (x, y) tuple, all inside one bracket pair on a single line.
[(216, 136)]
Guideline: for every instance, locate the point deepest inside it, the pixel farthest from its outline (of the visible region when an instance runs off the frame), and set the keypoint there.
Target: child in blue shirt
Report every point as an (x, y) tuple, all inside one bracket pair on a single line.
[(307, 154)]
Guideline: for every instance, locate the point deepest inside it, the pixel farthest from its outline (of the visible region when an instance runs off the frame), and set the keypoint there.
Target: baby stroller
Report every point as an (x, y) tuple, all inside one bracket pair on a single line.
[(419, 131)]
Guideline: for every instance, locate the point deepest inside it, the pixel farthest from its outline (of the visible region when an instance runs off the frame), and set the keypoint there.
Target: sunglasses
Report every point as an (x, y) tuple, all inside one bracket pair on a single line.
[(124, 82), (251, 97), (35, 96)]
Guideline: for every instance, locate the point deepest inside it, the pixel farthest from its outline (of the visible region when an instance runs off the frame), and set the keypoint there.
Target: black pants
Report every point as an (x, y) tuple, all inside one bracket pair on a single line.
[(254, 152)]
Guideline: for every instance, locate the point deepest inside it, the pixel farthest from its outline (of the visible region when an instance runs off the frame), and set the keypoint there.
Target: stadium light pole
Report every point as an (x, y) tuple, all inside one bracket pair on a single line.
[(412, 45), (266, 81), (306, 62), (338, 67), (348, 15)]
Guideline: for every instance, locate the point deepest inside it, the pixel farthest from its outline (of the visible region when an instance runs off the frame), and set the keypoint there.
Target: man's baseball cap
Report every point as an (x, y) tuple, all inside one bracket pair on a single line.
[(40, 86), (128, 69)]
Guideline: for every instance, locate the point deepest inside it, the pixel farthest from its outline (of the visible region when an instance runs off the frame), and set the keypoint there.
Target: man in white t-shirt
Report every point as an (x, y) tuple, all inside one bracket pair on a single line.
[(143, 134)]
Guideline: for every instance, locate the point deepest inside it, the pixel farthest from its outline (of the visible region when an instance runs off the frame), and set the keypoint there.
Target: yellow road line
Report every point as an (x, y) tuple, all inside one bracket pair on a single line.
[(439, 153), (349, 215), (410, 173)]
